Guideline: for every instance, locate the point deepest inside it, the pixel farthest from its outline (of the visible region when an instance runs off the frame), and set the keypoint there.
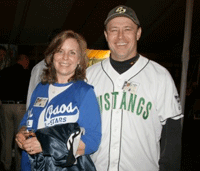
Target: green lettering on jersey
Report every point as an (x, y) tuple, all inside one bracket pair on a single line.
[(100, 103), (123, 102), (106, 98), (115, 99), (140, 106), (131, 104), (148, 108)]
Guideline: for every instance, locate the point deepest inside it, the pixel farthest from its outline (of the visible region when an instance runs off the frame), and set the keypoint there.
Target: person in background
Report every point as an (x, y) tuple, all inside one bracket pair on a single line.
[(13, 91), (62, 97), (140, 106), (4, 62), (35, 79)]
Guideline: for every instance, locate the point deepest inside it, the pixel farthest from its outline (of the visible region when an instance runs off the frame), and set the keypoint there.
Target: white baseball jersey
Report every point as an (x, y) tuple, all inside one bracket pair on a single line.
[(134, 106)]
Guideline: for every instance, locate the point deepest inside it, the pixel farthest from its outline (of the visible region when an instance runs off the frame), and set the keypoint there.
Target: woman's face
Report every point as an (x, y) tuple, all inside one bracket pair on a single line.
[(66, 60)]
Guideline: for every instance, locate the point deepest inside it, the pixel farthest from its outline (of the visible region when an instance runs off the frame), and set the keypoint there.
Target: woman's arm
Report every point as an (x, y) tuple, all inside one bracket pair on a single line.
[(90, 120)]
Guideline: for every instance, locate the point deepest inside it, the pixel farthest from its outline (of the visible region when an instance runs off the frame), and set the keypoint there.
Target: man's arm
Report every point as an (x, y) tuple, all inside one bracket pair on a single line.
[(34, 80), (170, 156)]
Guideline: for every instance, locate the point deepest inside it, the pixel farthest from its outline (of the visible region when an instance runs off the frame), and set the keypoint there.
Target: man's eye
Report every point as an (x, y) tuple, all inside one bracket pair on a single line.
[(128, 29), (113, 30)]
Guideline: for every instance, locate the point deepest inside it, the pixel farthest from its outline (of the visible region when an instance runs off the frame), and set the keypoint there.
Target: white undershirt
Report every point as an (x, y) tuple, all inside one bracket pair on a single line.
[(53, 91)]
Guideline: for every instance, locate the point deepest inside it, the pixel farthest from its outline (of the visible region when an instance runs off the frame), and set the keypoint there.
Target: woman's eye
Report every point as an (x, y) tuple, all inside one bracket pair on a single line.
[(60, 51), (72, 53)]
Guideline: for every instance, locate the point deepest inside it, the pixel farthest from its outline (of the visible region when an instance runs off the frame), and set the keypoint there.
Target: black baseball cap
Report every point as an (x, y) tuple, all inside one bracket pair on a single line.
[(122, 11)]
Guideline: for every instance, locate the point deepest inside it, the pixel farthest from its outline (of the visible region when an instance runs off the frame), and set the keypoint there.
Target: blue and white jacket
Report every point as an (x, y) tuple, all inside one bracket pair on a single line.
[(76, 104)]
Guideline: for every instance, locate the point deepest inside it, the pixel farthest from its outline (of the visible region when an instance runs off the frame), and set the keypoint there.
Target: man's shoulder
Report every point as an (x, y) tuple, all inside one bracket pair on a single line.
[(97, 66), (154, 65), (41, 64)]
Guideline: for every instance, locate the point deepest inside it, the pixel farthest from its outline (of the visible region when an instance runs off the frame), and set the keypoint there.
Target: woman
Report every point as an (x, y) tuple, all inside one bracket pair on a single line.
[(62, 97)]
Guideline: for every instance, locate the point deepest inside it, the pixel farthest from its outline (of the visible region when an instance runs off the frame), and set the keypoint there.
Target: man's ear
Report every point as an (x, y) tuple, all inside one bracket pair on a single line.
[(139, 33), (106, 35)]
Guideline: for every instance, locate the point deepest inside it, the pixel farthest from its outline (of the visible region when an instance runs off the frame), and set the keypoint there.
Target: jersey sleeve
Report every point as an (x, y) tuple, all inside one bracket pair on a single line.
[(168, 101), (24, 119), (90, 120), (170, 153)]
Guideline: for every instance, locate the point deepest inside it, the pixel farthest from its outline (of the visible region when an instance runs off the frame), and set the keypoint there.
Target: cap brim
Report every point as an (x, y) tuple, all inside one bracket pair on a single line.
[(119, 15)]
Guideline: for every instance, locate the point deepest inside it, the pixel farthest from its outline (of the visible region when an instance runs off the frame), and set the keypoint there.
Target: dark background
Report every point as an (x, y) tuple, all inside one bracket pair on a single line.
[(29, 24)]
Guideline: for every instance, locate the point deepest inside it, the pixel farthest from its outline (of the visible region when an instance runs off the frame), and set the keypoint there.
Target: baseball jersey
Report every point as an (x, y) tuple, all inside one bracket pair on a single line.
[(73, 102), (134, 106)]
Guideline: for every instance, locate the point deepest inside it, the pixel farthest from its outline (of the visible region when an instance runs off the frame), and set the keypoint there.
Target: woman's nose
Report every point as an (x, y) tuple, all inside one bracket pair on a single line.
[(65, 56)]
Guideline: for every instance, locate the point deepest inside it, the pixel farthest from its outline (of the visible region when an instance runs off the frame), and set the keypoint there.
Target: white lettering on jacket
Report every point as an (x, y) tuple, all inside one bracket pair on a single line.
[(51, 112)]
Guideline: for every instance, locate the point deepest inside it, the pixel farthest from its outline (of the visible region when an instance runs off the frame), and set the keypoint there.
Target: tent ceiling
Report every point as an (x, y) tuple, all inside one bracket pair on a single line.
[(31, 22)]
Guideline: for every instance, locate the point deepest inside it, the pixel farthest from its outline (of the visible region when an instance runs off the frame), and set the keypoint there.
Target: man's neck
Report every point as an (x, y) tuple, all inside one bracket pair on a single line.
[(20, 63), (123, 66)]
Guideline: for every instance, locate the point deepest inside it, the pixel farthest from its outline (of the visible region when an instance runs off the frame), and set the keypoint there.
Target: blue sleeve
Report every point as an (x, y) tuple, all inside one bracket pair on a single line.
[(24, 119), (90, 120)]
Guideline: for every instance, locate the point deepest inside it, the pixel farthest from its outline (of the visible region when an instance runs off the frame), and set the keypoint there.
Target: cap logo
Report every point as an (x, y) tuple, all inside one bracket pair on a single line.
[(121, 10)]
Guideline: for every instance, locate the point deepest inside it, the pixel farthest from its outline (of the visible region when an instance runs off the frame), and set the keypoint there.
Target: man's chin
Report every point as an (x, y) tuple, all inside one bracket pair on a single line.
[(120, 57)]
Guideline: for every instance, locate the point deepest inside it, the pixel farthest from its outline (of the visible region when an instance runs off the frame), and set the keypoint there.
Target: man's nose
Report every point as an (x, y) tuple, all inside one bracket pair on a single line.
[(120, 34)]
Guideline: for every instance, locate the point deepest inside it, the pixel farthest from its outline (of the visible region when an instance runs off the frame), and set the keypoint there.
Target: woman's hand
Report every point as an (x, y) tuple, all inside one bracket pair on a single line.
[(27, 141), (81, 148), (21, 137), (32, 146)]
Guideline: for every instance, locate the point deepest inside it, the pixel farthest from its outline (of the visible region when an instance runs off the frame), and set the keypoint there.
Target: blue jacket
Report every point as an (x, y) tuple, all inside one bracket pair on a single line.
[(58, 143)]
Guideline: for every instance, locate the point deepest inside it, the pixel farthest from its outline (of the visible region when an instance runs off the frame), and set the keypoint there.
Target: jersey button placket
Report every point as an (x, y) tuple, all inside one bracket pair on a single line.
[(115, 138), (116, 127)]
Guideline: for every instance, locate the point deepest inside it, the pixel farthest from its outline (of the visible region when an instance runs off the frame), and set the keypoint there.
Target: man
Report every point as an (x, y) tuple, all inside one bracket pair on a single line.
[(14, 85), (139, 103), (4, 62), (35, 79)]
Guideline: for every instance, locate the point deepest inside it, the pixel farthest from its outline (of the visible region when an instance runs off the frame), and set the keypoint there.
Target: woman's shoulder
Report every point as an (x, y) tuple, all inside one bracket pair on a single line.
[(41, 87), (83, 84), (83, 90)]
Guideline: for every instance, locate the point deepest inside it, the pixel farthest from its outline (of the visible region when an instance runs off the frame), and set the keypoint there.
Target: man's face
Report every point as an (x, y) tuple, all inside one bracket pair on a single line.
[(122, 35), (2, 54)]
